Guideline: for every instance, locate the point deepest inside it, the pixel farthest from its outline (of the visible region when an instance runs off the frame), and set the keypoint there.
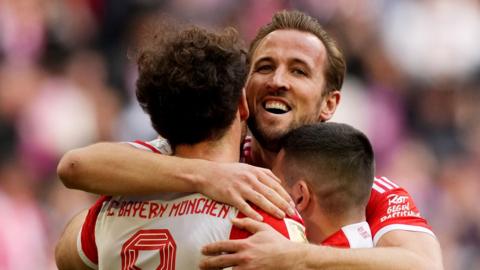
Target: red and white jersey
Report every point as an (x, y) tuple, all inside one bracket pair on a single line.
[(390, 207), (355, 235), (162, 232), (165, 231)]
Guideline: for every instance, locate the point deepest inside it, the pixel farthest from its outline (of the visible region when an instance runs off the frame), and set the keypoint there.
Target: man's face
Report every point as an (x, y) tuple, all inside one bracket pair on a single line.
[(284, 88)]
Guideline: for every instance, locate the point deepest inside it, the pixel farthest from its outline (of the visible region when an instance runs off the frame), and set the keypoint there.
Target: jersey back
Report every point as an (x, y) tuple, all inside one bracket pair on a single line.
[(164, 233)]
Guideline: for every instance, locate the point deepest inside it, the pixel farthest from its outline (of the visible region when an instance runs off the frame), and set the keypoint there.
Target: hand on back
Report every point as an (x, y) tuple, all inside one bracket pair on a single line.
[(238, 184), (265, 249)]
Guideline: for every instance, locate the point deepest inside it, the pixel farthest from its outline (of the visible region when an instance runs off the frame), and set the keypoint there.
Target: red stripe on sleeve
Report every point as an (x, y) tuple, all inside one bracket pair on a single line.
[(149, 146), (89, 246)]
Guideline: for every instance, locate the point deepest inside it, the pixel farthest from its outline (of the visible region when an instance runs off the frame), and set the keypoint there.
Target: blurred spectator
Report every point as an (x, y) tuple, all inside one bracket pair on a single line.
[(23, 230), (22, 30), (432, 39)]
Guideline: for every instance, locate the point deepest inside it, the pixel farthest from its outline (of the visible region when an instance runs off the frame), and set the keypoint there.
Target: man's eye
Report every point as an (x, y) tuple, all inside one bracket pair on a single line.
[(299, 71), (264, 69)]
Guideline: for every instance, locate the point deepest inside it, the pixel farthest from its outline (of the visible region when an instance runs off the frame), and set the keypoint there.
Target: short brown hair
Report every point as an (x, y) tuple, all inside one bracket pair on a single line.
[(296, 20)]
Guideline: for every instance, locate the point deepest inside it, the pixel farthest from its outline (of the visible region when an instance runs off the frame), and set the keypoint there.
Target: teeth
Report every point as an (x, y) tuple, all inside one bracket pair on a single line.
[(276, 105)]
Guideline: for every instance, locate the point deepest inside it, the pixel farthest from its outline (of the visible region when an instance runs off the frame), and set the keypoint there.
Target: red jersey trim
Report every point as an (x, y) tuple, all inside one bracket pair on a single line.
[(356, 235), (401, 227), (337, 239), (87, 244), (392, 208), (149, 146)]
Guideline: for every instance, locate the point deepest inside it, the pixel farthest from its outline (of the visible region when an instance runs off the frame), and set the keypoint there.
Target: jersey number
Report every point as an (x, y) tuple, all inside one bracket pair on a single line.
[(159, 239)]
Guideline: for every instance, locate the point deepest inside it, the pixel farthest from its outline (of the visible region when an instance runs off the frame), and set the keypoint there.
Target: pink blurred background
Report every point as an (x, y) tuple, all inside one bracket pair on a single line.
[(413, 86)]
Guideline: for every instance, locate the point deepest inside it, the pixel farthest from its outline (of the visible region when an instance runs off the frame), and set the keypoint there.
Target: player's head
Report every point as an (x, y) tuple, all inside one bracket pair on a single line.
[(190, 83), (328, 163), (295, 73)]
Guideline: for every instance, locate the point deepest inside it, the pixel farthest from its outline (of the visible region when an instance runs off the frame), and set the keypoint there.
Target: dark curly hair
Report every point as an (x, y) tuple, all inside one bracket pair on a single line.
[(190, 82)]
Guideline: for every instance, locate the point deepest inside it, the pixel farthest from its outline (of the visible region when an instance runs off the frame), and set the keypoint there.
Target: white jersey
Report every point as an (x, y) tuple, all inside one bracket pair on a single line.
[(161, 233)]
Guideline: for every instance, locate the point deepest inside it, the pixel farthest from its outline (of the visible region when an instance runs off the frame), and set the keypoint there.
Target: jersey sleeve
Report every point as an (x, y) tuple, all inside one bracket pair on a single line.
[(158, 146), (392, 208), (291, 227), (86, 246)]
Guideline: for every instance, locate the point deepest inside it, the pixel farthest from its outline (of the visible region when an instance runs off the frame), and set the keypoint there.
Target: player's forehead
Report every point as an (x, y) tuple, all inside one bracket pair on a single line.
[(289, 44)]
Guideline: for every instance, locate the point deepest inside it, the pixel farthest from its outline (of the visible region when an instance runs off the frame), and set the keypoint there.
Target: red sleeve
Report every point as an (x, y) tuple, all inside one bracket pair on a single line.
[(88, 247), (392, 208), (290, 227)]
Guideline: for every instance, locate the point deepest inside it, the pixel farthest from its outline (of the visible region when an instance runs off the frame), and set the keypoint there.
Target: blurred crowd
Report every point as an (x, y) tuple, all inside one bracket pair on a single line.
[(66, 81)]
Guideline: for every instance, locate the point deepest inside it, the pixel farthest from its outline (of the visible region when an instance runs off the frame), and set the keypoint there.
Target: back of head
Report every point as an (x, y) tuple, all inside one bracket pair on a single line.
[(190, 82), (336, 160), (296, 20)]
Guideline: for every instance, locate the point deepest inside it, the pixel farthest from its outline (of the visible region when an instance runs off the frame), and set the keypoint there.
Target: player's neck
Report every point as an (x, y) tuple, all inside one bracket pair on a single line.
[(225, 149), (260, 156), (323, 226)]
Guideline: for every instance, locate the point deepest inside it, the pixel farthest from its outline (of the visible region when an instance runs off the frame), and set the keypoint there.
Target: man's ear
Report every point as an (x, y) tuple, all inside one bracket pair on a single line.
[(243, 106), (329, 105), (301, 195)]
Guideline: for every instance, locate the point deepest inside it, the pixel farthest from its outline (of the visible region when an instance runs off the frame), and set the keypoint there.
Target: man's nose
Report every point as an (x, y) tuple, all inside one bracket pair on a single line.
[(278, 80)]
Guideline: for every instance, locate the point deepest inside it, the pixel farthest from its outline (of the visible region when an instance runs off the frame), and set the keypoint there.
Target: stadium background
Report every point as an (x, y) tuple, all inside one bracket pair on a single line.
[(412, 86)]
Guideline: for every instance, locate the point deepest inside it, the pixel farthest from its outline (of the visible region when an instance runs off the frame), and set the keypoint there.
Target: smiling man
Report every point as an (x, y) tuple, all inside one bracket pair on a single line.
[(285, 88), (296, 73), (190, 84)]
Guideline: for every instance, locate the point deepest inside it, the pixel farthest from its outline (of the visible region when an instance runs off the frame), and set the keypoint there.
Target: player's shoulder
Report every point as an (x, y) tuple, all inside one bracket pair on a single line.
[(386, 193), (159, 145), (382, 184)]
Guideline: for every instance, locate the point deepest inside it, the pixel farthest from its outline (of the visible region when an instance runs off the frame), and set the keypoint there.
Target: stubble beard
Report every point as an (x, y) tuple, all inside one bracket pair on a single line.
[(268, 138)]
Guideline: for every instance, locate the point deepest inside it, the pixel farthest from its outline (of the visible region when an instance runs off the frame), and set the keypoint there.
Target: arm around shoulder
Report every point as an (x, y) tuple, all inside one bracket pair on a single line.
[(86, 168), (396, 250), (120, 169), (419, 250)]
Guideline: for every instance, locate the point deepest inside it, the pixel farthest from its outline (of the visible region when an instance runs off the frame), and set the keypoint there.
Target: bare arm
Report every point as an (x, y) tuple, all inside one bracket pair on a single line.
[(66, 254), (266, 249), (396, 250), (120, 169)]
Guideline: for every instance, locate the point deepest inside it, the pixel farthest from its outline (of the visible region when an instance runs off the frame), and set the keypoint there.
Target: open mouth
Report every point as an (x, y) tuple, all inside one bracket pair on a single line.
[(276, 107)]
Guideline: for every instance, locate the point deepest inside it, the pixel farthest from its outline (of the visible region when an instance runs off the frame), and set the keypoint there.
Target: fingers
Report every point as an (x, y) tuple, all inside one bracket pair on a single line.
[(263, 190), (246, 208), (272, 190), (228, 251), (219, 262), (250, 225), (228, 246), (261, 201), (278, 187), (252, 184)]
